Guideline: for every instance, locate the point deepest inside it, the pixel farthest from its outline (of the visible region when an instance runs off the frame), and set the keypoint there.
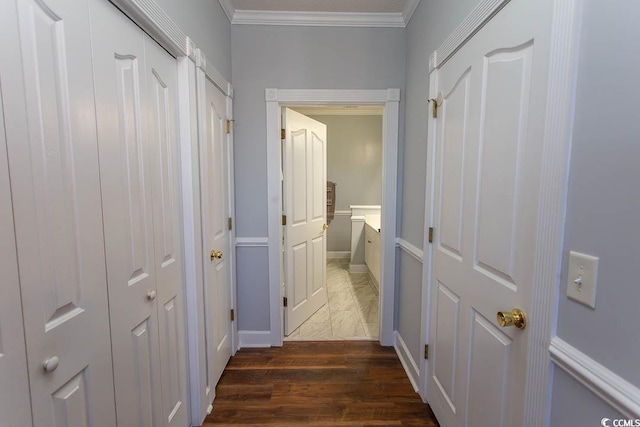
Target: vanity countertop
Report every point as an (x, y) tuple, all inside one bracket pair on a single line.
[(373, 221)]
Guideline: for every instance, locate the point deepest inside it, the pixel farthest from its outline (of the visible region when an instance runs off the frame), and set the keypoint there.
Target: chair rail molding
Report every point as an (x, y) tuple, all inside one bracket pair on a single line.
[(410, 249), (609, 386)]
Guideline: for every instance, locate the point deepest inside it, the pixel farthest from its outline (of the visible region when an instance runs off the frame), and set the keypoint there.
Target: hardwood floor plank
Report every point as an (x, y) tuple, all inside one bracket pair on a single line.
[(320, 384)]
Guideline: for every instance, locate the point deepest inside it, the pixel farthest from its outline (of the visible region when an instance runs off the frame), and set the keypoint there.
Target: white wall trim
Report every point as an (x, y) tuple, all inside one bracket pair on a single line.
[(358, 268), (390, 99), (556, 150), (482, 13), (252, 241), (409, 9), (342, 213), (318, 19), (155, 22), (609, 386), (227, 6), (339, 254), (213, 74), (409, 365), (254, 339), (410, 249)]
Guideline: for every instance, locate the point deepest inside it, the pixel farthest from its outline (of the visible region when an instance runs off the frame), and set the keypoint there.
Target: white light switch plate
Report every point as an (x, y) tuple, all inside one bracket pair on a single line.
[(582, 278)]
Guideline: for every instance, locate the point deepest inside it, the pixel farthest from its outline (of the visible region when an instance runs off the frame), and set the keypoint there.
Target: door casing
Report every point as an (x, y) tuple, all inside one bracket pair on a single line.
[(389, 99)]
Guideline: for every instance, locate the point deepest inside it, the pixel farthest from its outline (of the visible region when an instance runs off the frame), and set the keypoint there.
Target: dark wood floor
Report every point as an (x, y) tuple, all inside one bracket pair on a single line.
[(319, 384)]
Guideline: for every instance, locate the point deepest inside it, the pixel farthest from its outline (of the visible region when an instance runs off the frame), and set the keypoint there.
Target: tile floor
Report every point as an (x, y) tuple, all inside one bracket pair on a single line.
[(351, 312)]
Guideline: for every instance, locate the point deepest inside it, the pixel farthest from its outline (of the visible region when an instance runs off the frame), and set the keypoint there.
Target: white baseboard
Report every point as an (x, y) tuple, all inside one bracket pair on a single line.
[(409, 365), (249, 339), (609, 386), (338, 254), (358, 268)]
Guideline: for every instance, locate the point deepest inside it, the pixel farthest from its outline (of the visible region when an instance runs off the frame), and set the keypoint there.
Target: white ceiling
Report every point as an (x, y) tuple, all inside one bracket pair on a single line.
[(352, 13)]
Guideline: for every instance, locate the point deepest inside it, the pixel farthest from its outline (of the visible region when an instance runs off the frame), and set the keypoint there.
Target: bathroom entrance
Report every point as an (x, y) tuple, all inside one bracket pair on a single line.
[(347, 304)]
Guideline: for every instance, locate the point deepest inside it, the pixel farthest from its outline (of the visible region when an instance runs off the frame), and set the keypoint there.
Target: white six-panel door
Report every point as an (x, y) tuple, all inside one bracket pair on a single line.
[(162, 99), (215, 213), (305, 200), (15, 408), (125, 160), (53, 161), (136, 95), (486, 197)]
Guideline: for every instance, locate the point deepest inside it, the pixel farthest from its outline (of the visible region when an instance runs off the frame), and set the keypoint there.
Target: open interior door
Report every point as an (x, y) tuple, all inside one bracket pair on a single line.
[(305, 201)]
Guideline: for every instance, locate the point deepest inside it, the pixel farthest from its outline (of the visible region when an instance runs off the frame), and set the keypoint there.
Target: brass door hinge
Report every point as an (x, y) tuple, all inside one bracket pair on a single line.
[(233, 315), (283, 133), (228, 126), (434, 107), (284, 220), (430, 234), (285, 301), (426, 351), (230, 223)]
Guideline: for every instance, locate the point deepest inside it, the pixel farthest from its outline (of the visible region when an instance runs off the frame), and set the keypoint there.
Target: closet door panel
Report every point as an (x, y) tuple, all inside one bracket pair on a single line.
[(53, 164), (15, 409), (162, 101), (126, 175)]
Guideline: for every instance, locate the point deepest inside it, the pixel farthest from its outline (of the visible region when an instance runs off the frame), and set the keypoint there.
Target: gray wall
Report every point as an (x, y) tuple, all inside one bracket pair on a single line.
[(204, 22), (431, 23), (604, 199), (354, 162), (292, 58)]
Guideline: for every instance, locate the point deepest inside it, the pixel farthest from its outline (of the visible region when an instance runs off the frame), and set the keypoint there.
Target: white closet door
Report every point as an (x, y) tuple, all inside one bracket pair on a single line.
[(53, 162), (125, 170), (161, 105), (15, 409), (217, 292)]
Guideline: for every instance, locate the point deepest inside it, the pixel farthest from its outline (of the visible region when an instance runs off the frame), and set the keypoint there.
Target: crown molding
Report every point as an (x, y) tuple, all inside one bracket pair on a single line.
[(317, 19), (227, 6), (410, 7)]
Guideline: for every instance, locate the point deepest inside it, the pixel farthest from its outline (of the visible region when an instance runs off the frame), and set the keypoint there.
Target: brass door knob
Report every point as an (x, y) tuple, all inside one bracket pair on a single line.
[(516, 318), (216, 255), (325, 226)]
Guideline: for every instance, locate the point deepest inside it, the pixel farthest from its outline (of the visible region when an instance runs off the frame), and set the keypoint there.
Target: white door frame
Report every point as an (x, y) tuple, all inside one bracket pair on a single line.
[(390, 100), (560, 106)]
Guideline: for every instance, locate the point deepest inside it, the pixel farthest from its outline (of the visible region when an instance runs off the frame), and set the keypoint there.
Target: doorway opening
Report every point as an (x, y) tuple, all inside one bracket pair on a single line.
[(350, 306), (388, 100)]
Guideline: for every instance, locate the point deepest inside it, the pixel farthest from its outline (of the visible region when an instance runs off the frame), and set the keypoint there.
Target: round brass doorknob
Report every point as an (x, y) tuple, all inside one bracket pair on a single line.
[(516, 318), (216, 255), (325, 226)]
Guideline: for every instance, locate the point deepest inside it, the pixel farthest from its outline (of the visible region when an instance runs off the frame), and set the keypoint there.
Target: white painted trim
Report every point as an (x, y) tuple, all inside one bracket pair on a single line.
[(365, 207), (409, 365), (254, 339), (607, 385), (342, 213), (566, 25), (338, 254), (155, 22), (358, 268), (297, 97), (213, 74), (340, 111), (480, 15), (318, 19), (227, 6), (410, 249), (252, 241), (409, 8), (390, 99)]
